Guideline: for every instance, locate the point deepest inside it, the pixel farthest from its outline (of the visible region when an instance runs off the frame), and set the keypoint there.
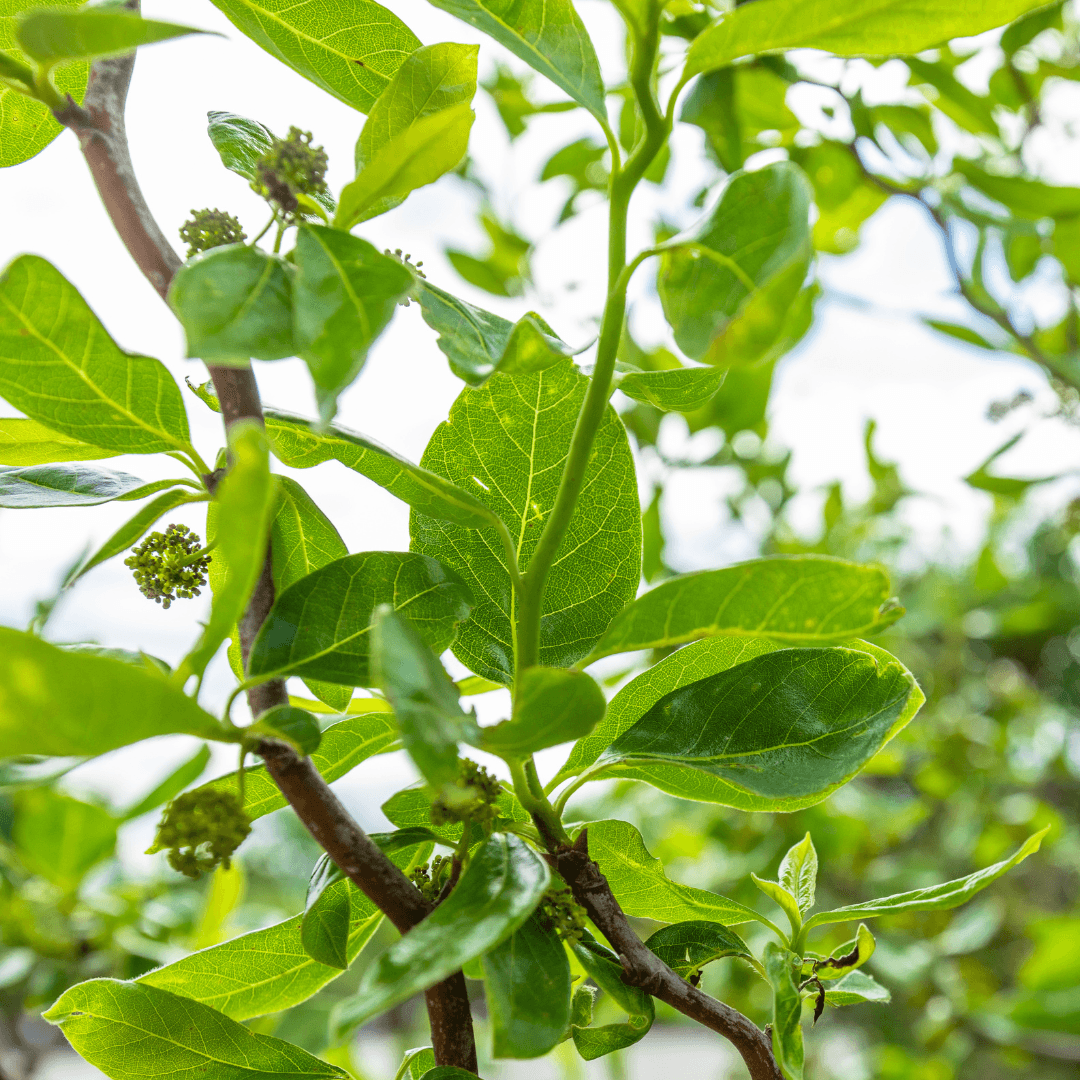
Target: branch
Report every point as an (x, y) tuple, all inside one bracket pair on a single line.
[(643, 968), (99, 126)]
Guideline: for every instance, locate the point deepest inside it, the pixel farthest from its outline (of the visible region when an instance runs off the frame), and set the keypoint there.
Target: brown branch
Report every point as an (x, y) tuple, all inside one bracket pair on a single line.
[(643, 968), (99, 126)]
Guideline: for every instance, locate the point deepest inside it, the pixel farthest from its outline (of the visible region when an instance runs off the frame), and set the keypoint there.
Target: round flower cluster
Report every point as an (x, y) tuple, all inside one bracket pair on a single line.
[(291, 167), (208, 229), (475, 798), (214, 820), (559, 911), (430, 878), (169, 565)]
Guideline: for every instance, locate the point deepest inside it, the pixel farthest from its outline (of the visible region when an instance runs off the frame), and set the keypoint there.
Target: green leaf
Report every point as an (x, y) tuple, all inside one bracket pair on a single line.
[(344, 296), (100, 1018), (235, 303), (642, 888), (783, 899), (777, 733), (527, 985), (26, 442), (68, 374), (320, 627), (324, 931), (350, 50), (687, 947), (798, 873), (53, 36), (1030, 199), (172, 785), (548, 35), (239, 141), (551, 706), (423, 696), (787, 1036), (758, 234), (846, 958), (677, 390), (411, 809), (942, 897), (507, 442), (970, 110), (857, 28), (289, 724), (66, 485), (498, 891), (1012, 487), (92, 703), (797, 599), (961, 333), (854, 989), (427, 149), (603, 967), (478, 343), (61, 838)]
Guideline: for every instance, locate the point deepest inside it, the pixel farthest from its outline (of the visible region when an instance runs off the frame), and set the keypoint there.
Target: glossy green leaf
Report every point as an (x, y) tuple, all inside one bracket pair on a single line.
[(777, 733), (71, 376), (350, 51), (941, 897), (787, 1036), (324, 931), (344, 745), (478, 343), (687, 947), (551, 706), (427, 149), (239, 141), (677, 390), (61, 838), (642, 888), (603, 967), (783, 899), (527, 984), (797, 599), (65, 485), (498, 891), (798, 873), (856, 28), (289, 724), (172, 785), (856, 988), (92, 703), (423, 696), (756, 237), (26, 442), (52, 36), (411, 808), (548, 35), (320, 627), (507, 441), (235, 303), (175, 1035), (419, 1061)]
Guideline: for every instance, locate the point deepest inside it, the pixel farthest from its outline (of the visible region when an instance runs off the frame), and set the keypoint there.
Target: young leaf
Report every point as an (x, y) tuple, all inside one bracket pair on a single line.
[(847, 957), (411, 809), (798, 599), (324, 931), (175, 1034), (64, 484), (779, 732), (289, 724), (235, 303), (53, 36), (643, 889), (548, 35), (783, 899), (321, 626), (498, 891), (857, 28), (344, 296), (507, 442), (61, 838), (949, 894), (68, 374), (677, 390), (239, 141), (61, 703), (798, 873), (26, 442), (787, 1036), (686, 947), (171, 786), (527, 985), (855, 988), (478, 343), (423, 696), (552, 706)]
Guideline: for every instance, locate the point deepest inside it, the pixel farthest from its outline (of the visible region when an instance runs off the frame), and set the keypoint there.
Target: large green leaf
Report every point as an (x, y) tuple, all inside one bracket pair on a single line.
[(507, 442), (59, 837), (527, 984), (548, 35), (60, 367), (777, 733), (350, 50), (26, 442), (855, 28), (941, 897), (604, 968), (104, 1019), (642, 888), (321, 626), (344, 296), (324, 931), (727, 297), (27, 126), (63, 703), (687, 947), (674, 390), (69, 485), (498, 891), (799, 599), (239, 141), (787, 1036), (53, 36)]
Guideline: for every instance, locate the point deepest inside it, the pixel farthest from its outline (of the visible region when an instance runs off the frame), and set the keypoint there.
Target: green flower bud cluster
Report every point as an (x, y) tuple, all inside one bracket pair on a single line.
[(169, 565), (291, 167), (474, 799), (208, 229), (559, 911), (209, 819), (431, 878)]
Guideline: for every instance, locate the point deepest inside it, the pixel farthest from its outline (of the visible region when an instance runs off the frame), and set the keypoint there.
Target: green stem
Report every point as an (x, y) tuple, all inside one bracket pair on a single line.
[(46, 90), (265, 230), (547, 821), (592, 773), (277, 239)]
